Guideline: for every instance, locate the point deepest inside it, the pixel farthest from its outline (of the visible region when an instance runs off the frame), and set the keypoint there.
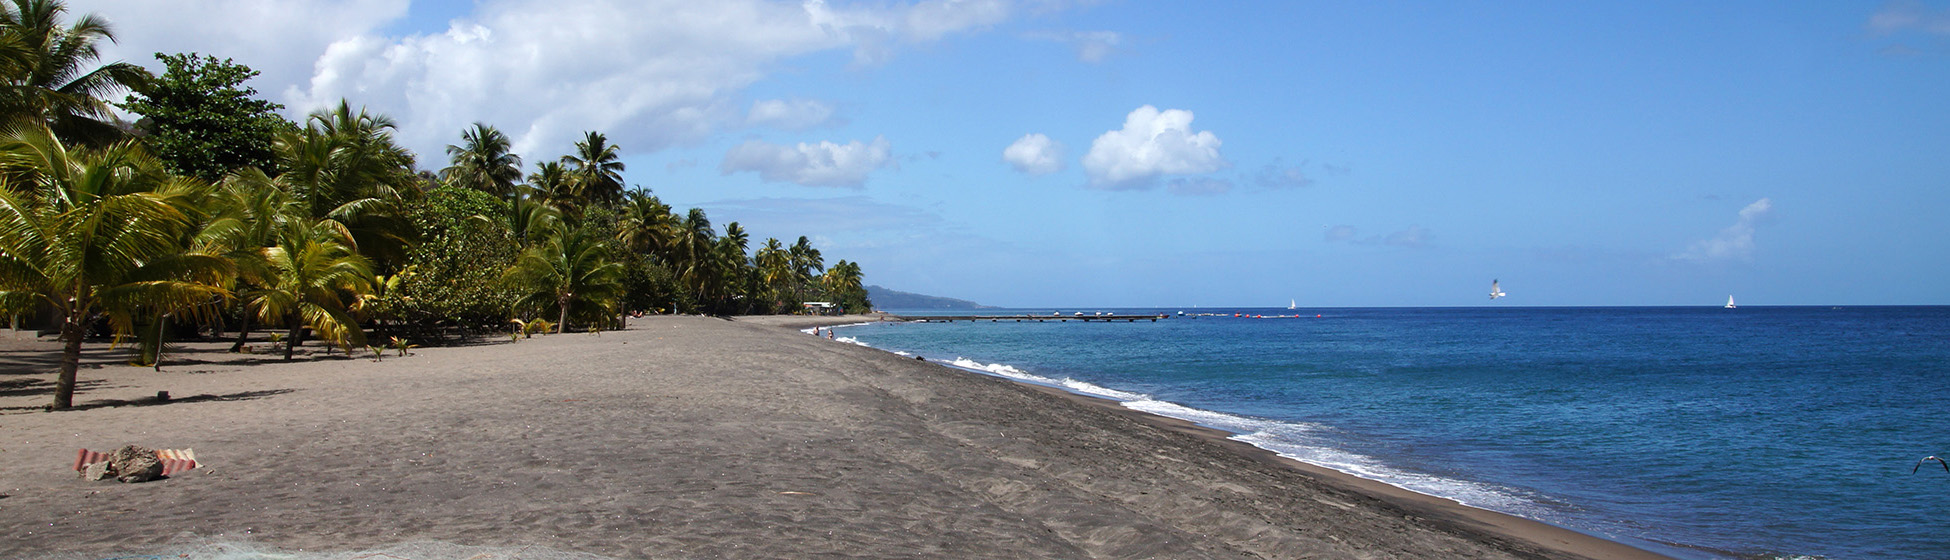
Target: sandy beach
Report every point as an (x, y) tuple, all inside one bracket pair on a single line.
[(680, 437)]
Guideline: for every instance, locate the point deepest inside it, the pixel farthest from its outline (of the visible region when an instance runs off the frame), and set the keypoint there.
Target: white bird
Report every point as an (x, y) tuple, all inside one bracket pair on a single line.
[(1919, 464), (1495, 291)]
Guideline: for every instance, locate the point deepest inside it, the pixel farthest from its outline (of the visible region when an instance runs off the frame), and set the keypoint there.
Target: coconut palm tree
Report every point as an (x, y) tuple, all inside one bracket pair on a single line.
[(248, 213), (315, 273), (571, 273), (48, 80), (805, 259), (345, 166), (691, 251), (483, 162), (844, 283), (645, 225), (93, 233), (775, 272), (595, 170)]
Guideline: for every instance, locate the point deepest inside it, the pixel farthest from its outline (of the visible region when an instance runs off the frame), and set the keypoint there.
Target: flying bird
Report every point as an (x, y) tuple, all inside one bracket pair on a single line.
[(1919, 464)]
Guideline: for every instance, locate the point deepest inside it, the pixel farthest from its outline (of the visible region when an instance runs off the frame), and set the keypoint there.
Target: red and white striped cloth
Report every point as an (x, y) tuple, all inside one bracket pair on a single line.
[(173, 460)]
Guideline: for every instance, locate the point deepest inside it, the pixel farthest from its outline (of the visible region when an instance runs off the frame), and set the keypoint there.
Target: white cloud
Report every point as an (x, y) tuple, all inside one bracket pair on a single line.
[(280, 39), (1035, 154), (1152, 143), (649, 73), (825, 164), (792, 114), (1736, 242)]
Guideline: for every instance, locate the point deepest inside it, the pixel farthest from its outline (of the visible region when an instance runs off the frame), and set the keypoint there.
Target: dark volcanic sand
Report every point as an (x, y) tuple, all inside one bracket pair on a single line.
[(683, 437)]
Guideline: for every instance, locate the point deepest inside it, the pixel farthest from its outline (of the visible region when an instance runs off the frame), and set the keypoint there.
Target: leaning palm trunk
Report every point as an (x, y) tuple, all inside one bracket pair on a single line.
[(71, 333), (562, 318), (243, 334)]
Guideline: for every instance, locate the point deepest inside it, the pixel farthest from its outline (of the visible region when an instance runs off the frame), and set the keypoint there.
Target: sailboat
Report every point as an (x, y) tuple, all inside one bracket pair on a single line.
[(1496, 292), (1292, 304), (1730, 302)]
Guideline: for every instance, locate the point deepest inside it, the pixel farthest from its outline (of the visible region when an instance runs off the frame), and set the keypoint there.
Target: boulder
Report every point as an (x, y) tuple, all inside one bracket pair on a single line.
[(96, 471), (135, 463)]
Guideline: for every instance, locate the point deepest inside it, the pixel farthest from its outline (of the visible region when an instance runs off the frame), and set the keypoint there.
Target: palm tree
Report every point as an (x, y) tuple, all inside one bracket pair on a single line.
[(844, 283), (570, 271), (47, 80), (645, 225), (595, 170), (316, 273), (249, 213), (734, 271), (482, 162), (805, 259), (91, 232), (775, 272), (691, 250), (345, 166)]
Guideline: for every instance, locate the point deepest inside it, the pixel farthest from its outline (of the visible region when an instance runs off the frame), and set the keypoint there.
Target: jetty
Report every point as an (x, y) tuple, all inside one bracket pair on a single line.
[(1033, 318)]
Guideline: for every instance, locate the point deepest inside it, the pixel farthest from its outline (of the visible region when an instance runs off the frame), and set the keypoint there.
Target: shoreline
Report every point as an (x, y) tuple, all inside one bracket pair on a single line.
[(1427, 506), (686, 437)]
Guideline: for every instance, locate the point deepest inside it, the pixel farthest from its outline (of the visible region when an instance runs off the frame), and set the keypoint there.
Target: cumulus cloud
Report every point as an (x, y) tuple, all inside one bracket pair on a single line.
[(279, 39), (1091, 46), (825, 164), (1151, 143), (793, 114), (1035, 154), (649, 73), (1735, 243)]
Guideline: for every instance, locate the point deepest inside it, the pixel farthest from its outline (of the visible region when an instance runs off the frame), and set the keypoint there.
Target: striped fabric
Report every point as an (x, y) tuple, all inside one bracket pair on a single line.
[(173, 460)]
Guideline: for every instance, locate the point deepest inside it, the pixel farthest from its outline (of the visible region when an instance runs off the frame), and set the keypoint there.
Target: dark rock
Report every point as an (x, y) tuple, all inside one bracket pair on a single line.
[(135, 463)]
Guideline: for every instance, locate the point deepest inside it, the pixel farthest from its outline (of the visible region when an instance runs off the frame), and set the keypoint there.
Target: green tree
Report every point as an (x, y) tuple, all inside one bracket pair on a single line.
[(571, 274), (453, 277), (595, 170), (345, 166), (96, 232), (316, 273), (843, 283), (202, 122), (48, 80), (483, 162)]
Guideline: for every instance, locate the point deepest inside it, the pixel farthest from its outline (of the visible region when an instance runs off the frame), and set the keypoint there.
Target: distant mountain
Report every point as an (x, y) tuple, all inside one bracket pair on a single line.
[(884, 298)]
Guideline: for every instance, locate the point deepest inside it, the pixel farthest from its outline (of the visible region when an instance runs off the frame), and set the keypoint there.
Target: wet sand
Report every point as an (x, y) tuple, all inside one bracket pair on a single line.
[(681, 437)]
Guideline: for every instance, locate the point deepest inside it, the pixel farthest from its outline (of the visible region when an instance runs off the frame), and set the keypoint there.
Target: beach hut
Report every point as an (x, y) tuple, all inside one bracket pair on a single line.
[(821, 308)]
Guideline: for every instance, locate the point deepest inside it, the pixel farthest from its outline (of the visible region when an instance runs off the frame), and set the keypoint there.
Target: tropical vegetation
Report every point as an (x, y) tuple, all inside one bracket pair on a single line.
[(213, 212)]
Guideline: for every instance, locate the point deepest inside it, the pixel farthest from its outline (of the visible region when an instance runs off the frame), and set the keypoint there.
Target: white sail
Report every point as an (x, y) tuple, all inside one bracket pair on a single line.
[(1730, 302), (1495, 290), (1292, 304)]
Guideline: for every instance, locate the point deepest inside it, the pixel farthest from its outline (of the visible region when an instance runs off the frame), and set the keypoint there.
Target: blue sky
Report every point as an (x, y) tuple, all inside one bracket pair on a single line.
[(1209, 153)]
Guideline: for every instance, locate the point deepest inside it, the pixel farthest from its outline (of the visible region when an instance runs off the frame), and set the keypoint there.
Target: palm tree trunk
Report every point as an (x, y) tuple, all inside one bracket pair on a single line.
[(71, 333), (297, 331), (243, 333), (563, 304)]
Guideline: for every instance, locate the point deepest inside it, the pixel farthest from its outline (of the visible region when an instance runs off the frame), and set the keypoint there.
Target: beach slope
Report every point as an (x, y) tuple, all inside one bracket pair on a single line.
[(686, 437)]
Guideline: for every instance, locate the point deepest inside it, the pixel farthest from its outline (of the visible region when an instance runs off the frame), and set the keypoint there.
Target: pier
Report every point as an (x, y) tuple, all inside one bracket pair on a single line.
[(1035, 318)]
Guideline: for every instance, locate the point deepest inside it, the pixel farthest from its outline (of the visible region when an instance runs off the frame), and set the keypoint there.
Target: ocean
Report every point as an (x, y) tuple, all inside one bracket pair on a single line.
[(1758, 432)]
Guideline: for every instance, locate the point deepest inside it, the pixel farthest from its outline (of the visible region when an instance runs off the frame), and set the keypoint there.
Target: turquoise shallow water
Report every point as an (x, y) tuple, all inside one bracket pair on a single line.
[(1699, 432)]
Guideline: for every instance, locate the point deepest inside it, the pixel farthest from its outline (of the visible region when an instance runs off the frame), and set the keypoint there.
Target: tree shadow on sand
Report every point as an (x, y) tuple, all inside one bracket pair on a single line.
[(154, 401)]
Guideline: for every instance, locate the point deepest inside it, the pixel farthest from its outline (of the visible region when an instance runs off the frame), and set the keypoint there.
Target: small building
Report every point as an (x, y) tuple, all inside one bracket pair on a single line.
[(822, 308)]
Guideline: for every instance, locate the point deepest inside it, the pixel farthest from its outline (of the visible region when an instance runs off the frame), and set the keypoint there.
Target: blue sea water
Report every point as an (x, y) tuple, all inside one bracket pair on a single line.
[(1758, 432)]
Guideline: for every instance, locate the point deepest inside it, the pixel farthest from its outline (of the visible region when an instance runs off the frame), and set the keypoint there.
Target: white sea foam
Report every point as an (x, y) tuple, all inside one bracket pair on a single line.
[(1300, 441)]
